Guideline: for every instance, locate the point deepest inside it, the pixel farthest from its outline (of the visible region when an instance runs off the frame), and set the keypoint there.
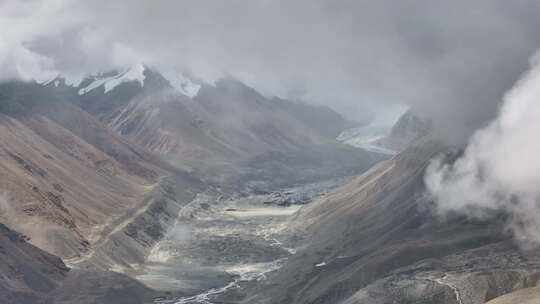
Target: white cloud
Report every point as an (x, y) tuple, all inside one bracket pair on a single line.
[(449, 60), (22, 22), (500, 168)]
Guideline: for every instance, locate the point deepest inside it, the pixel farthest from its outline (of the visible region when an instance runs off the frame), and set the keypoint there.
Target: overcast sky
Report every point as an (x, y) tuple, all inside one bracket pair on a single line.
[(451, 60)]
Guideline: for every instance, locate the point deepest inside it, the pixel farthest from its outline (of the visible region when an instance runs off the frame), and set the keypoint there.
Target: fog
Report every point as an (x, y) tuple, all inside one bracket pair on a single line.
[(451, 61), (499, 170)]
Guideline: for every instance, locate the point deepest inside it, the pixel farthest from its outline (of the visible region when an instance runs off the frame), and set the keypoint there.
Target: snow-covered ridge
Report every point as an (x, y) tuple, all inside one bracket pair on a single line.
[(135, 73), (180, 82), (55, 80), (61, 80)]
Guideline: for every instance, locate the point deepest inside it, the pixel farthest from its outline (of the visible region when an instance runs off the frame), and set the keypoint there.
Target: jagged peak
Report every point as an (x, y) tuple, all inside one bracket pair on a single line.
[(60, 80), (179, 81), (109, 80)]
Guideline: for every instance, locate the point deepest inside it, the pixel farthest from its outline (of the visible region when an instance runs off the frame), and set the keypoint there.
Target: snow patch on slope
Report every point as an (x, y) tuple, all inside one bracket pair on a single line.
[(321, 264), (135, 73), (61, 80), (47, 82), (365, 138), (368, 137), (180, 82)]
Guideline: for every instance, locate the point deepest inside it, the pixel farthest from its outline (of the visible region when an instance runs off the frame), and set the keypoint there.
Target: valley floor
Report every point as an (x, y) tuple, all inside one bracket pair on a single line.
[(218, 245)]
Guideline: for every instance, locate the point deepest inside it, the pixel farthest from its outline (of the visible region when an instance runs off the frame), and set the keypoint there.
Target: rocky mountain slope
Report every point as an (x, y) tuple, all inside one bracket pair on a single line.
[(408, 128), (227, 130), (30, 275), (522, 296), (66, 180), (26, 272), (375, 240)]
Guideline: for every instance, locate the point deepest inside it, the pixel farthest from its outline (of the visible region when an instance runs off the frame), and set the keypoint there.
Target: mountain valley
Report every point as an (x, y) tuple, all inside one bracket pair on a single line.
[(142, 187), (102, 177)]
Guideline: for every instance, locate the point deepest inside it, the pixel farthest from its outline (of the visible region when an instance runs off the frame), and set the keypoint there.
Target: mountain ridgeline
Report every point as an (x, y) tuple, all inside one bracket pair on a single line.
[(227, 130)]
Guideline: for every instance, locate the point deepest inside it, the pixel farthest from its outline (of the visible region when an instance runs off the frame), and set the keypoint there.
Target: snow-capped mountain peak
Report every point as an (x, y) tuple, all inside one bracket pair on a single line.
[(180, 82), (134, 73), (55, 81)]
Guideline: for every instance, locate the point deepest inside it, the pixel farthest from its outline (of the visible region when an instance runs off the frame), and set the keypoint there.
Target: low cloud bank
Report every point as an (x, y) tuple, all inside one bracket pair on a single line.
[(449, 60), (500, 168)]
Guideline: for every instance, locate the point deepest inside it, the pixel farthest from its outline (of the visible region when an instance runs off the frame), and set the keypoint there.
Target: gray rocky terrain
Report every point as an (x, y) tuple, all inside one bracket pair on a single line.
[(27, 273)]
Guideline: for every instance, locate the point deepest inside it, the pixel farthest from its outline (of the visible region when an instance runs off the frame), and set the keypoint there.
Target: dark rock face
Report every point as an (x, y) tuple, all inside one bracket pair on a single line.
[(29, 275), (523, 296), (26, 272), (84, 287)]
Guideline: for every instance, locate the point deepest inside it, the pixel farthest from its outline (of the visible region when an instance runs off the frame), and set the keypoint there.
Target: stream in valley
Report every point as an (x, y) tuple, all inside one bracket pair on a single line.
[(218, 245)]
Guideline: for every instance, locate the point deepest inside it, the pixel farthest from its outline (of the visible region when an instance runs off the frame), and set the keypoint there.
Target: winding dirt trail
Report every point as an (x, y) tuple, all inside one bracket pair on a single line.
[(115, 226)]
